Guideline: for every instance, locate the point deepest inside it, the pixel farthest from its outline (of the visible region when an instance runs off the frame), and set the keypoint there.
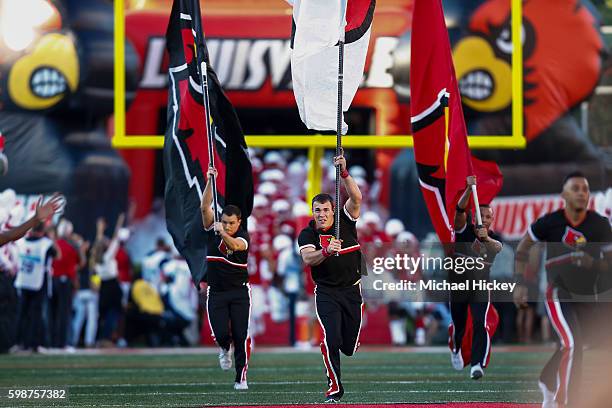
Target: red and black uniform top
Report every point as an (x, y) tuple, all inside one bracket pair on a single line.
[(593, 236), (335, 271), (227, 269)]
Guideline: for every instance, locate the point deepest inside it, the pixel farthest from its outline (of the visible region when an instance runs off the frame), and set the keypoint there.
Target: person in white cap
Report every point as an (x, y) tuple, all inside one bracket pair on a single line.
[(267, 188), (393, 227), (370, 228), (273, 159)]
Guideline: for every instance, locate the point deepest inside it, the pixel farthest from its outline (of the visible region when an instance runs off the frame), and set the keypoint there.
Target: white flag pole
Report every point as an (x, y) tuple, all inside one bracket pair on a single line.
[(477, 205)]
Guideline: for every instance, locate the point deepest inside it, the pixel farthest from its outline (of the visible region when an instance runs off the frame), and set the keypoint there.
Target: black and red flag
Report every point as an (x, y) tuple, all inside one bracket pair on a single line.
[(441, 149), (186, 157)]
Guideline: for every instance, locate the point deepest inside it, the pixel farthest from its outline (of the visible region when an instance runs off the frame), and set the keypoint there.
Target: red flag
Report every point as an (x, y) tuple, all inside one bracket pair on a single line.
[(443, 163)]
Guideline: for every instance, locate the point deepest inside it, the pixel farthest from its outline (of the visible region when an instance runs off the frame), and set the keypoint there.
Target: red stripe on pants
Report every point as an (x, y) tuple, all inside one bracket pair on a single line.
[(556, 315)]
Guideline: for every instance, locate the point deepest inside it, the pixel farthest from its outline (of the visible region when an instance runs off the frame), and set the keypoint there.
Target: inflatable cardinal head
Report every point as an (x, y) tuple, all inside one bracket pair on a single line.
[(57, 56), (562, 54)]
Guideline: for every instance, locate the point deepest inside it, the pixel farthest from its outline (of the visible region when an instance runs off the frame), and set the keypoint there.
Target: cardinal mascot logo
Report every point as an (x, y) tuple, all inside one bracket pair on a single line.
[(562, 54), (573, 239), (40, 74), (325, 240)]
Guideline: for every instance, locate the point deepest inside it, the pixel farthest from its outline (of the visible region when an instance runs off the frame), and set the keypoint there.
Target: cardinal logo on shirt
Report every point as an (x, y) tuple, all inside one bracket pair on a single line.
[(224, 249), (573, 238), (324, 240)]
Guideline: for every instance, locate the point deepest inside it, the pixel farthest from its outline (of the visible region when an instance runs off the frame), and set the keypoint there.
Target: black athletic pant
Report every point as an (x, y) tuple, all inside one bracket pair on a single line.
[(339, 311), (31, 316), (479, 305), (562, 373), (228, 316), (61, 311)]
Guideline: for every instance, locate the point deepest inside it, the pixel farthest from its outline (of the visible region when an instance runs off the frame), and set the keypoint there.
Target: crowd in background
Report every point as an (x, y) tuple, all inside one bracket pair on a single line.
[(127, 289)]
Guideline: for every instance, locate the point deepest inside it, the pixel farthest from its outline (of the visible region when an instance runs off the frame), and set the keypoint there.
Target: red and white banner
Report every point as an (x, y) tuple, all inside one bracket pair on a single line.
[(513, 215)]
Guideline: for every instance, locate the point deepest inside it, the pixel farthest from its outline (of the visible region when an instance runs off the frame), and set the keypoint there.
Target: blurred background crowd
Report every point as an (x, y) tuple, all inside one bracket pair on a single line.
[(130, 287), (116, 280)]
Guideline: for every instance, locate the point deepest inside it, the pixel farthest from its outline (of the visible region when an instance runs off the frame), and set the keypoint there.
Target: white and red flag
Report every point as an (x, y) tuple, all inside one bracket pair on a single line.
[(318, 27)]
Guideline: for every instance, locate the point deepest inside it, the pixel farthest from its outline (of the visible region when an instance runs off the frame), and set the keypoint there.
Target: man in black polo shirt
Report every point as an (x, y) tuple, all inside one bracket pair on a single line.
[(578, 269), (228, 301), (472, 241), (336, 271)]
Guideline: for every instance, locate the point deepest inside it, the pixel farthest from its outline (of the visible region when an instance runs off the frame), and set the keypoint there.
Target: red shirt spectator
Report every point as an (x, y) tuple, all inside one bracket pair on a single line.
[(67, 264), (123, 265)]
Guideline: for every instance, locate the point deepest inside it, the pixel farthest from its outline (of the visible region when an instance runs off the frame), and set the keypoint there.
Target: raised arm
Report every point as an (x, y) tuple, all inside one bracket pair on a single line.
[(353, 204), (43, 212), (113, 247), (460, 215), (83, 247), (118, 225), (208, 217), (100, 227), (18, 232)]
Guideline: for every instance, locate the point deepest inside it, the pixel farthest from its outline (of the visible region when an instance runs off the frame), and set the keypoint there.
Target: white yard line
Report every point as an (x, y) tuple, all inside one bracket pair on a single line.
[(275, 350), (273, 392), (443, 368), (200, 384)]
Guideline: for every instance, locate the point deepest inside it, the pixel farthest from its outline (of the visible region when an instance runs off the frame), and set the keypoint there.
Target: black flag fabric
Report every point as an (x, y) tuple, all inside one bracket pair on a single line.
[(185, 152)]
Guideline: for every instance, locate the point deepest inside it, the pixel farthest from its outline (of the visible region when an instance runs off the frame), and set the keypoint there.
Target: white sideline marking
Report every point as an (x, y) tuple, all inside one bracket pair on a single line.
[(399, 367), (314, 392), (281, 350), (128, 385)]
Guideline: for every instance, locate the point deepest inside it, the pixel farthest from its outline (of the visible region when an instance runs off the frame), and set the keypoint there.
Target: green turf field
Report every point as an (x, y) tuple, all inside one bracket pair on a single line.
[(274, 378)]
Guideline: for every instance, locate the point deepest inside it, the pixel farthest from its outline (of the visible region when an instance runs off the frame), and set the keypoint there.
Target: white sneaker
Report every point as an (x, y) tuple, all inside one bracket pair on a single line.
[(242, 385), (457, 360), (476, 372), (225, 359), (548, 397)]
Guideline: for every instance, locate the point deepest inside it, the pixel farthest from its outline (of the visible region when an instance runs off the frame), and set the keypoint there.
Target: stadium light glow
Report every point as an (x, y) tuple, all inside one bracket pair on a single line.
[(20, 19)]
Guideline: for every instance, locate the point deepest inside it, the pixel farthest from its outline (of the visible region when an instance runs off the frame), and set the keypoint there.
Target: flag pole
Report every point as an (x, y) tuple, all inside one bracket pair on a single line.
[(477, 205), (339, 126), (204, 81)]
